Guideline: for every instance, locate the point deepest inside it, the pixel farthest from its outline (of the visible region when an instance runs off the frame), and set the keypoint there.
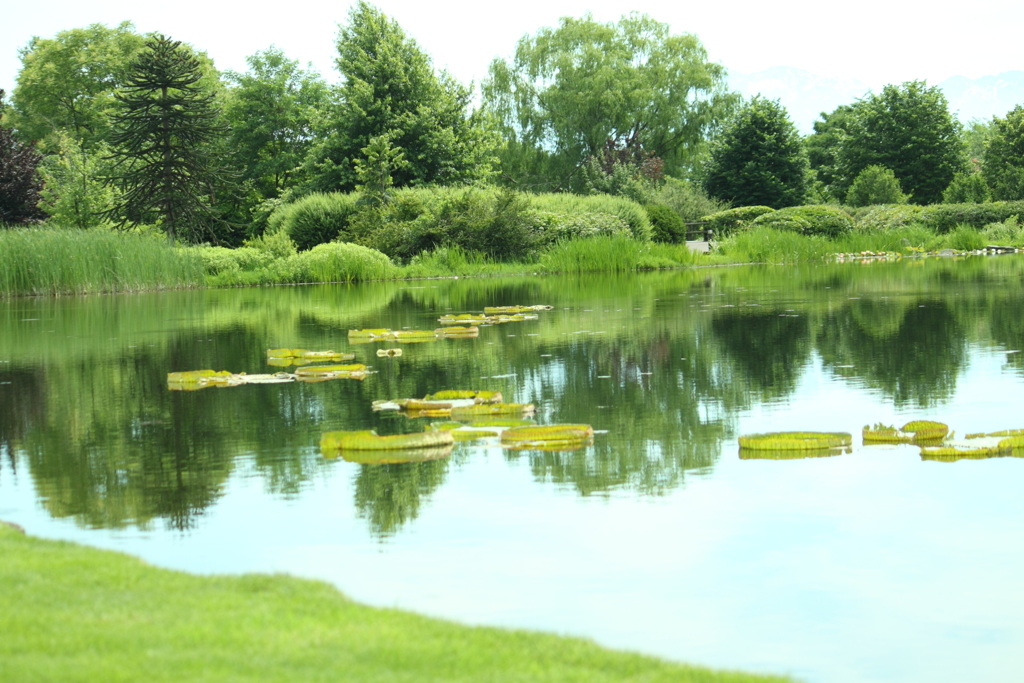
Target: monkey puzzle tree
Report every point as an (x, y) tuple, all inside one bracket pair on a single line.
[(161, 143)]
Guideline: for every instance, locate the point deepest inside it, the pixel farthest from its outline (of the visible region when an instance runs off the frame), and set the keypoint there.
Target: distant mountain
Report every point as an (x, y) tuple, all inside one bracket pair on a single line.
[(805, 95)]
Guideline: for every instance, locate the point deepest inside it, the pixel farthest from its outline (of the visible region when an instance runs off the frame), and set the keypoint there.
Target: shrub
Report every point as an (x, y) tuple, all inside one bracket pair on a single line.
[(277, 244), (549, 228), (687, 200), (886, 217), (822, 220), (666, 225), (629, 211), (217, 260), (724, 223), (875, 185), (942, 218), (1008, 233), (319, 218), (967, 188), (336, 262)]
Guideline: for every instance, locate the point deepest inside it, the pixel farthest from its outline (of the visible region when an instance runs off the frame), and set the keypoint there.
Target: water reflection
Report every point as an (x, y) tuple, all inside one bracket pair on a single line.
[(663, 362)]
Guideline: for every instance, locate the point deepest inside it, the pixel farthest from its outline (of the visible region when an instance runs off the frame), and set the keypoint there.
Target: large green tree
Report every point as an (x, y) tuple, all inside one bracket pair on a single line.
[(823, 149), (162, 143), (908, 129), (271, 109), (1003, 167), (67, 82), (758, 159), (390, 88), (570, 90)]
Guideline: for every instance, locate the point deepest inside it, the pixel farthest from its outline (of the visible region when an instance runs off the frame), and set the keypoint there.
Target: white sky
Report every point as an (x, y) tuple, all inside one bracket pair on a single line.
[(874, 41)]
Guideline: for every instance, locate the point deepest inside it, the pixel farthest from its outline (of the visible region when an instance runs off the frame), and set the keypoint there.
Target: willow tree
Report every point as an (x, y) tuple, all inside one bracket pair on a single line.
[(571, 91), (161, 144)]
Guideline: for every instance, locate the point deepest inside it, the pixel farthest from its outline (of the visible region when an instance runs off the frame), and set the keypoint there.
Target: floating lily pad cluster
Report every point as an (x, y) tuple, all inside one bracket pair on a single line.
[(193, 380), (934, 438), (285, 357)]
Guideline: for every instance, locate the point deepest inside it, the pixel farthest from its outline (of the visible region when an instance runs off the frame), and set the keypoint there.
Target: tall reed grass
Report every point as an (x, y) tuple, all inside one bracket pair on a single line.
[(35, 261)]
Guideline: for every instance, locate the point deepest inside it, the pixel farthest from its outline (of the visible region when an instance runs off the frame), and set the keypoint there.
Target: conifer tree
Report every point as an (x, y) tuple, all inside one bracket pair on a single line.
[(164, 165)]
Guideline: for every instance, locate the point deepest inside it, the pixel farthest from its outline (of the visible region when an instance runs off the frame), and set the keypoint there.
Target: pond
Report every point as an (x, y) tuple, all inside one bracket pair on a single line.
[(868, 565)]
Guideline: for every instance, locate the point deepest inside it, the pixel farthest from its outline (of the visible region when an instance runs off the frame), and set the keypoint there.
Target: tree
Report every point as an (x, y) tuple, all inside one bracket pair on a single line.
[(67, 82), (74, 193), (823, 148), (390, 88), (758, 160), (1003, 168), (569, 90), (875, 185), (271, 110), (163, 164), (908, 129), (967, 188), (20, 183)]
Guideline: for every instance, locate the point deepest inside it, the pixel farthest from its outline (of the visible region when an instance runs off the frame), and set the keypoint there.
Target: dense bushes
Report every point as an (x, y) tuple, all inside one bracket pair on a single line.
[(629, 211), (885, 217), (316, 218), (724, 223), (666, 225), (875, 185), (943, 218), (808, 220)]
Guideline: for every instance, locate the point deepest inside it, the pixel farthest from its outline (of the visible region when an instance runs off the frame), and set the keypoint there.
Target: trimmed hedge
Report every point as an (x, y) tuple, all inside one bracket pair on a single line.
[(943, 218), (666, 224), (808, 220), (316, 218), (724, 223)]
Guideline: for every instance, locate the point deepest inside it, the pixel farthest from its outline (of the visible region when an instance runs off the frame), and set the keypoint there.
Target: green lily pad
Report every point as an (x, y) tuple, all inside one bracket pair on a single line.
[(795, 441)]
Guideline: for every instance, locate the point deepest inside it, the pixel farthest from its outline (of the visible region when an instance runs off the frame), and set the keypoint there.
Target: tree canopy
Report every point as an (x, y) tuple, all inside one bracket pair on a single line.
[(758, 159), (20, 183), (390, 88), (160, 143), (1003, 168), (570, 90)]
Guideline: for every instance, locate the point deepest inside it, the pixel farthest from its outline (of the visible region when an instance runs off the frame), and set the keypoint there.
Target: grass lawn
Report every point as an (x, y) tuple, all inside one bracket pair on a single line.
[(71, 613)]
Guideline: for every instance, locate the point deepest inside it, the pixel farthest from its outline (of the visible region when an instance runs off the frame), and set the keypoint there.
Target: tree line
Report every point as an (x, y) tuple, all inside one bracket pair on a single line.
[(109, 127)]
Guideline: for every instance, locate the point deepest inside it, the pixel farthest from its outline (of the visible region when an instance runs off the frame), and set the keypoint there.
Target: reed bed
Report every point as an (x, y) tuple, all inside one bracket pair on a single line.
[(52, 261)]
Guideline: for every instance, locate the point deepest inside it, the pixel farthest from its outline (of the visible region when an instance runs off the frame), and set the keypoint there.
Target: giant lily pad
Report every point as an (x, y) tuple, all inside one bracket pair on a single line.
[(201, 379), (401, 336), (549, 436), (321, 373), (308, 356), (756, 454), (512, 310), (795, 441), (393, 457), (458, 332), (918, 431), (369, 440), (474, 412)]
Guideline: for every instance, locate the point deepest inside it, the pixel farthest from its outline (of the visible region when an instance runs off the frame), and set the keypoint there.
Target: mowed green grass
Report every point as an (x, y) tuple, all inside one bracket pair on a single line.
[(71, 613)]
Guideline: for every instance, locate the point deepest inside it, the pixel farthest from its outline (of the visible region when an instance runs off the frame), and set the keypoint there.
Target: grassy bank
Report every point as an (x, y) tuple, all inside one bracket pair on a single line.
[(70, 613), (55, 261)]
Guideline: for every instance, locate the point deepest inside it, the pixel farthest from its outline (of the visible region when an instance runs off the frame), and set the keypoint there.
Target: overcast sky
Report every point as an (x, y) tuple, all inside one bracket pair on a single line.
[(873, 41)]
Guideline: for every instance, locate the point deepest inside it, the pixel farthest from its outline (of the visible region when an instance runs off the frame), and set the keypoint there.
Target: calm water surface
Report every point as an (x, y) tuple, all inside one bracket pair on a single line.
[(867, 566)]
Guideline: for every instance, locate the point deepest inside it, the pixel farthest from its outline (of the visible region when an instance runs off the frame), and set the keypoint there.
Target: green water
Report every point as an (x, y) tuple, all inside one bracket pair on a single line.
[(872, 565)]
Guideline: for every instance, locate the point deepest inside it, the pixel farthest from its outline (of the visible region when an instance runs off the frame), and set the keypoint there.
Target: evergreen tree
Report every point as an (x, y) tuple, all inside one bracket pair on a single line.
[(162, 144), (20, 183), (1004, 156), (758, 159)]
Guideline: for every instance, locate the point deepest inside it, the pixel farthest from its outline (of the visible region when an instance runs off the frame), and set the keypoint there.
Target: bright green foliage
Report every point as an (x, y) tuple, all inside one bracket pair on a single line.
[(942, 218), (163, 165), (318, 218), (908, 129), (67, 82), (758, 159), (570, 90), (1004, 156), (966, 238), (390, 88), (875, 185), (886, 217), (724, 223), (1007, 233), (550, 228), (666, 225), (74, 193), (375, 171), (976, 135), (686, 199), (629, 211), (271, 110), (967, 188), (808, 220)]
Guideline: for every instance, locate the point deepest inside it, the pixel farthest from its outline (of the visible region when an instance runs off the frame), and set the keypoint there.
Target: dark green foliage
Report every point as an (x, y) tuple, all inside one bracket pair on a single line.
[(967, 188), (390, 88), (163, 164), (943, 218), (20, 183), (498, 227), (569, 90), (724, 223), (875, 185), (827, 221), (908, 129), (1004, 156), (666, 224), (318, 218), (823, 149), (758, 159)]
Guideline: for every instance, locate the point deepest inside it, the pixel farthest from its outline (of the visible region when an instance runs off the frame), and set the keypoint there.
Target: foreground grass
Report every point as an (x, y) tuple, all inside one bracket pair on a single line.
[(70, 613)]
